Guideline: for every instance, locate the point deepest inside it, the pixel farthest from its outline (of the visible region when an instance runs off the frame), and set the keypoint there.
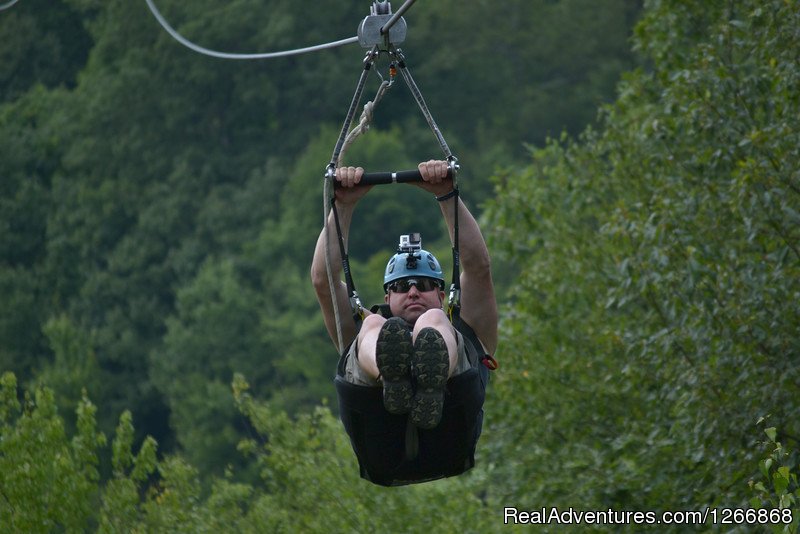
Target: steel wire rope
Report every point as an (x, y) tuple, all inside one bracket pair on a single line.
[(225, 55), (399, 13), (361, 128), (8, 4), (328, 195)]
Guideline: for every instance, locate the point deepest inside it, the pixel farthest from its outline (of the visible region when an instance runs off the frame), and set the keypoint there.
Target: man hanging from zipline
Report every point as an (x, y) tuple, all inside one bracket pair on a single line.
[(411, 383), (411, 380)]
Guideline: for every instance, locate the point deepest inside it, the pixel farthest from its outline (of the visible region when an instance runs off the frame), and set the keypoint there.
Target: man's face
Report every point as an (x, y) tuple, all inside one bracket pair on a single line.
[(408, 298)]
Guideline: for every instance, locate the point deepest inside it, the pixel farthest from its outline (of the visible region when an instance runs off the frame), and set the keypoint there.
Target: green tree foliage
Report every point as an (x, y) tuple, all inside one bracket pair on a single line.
[(158, 208), (777, 487), (658, 277), (44, 43), (49, 481), (30, 156), (205, 342), (522, 71), (308, 479)]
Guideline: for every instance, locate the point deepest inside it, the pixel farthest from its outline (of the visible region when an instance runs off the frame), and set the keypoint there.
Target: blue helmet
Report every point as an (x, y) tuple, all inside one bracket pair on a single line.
[(412, 260)]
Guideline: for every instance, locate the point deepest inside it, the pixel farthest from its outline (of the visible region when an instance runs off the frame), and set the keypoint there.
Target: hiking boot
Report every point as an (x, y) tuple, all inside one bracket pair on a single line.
[(430, 370), (393, 357)]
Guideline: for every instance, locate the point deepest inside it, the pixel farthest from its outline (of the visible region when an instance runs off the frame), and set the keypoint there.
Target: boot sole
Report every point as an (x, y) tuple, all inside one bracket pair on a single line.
[(430, 370), (393, 357)]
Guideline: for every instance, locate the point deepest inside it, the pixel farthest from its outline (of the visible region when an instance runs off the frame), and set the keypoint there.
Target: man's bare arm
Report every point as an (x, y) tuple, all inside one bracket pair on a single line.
[(478, 305), (347, 197)]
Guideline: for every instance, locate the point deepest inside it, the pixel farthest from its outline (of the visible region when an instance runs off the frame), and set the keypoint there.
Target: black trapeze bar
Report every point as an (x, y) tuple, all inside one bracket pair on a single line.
[(391, 177)]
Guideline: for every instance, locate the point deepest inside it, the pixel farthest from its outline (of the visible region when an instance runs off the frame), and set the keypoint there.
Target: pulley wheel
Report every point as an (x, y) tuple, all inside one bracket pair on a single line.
[(383, 8)]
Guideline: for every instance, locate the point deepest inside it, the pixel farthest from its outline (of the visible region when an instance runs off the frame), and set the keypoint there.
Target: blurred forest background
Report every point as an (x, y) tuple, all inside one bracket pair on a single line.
[(635, 167)]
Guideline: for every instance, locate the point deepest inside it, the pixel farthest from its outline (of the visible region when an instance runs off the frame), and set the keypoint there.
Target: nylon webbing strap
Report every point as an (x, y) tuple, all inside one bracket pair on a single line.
[(327, 201), (355, 303), (455, 289)]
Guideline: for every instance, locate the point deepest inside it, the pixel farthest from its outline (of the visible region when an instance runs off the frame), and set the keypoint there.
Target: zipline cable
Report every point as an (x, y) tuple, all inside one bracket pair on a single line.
[(224, 55), (8, 4), (399, 13)]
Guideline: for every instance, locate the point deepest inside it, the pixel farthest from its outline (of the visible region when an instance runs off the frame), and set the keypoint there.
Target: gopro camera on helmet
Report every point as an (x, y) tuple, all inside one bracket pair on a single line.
[(410, 243)]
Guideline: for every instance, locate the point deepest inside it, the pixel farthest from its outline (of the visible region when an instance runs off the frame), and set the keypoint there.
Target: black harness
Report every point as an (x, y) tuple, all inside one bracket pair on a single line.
[(393, 452)]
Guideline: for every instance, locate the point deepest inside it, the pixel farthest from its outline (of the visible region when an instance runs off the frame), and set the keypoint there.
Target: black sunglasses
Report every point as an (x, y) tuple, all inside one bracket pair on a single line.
[(422, 284)]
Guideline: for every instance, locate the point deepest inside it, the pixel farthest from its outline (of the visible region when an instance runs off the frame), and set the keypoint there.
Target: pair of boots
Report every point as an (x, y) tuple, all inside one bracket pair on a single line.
[(414, 375)]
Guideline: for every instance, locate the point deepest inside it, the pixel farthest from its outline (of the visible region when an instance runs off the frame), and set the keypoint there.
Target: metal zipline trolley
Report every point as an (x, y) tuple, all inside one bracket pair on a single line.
[(390, 450)]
